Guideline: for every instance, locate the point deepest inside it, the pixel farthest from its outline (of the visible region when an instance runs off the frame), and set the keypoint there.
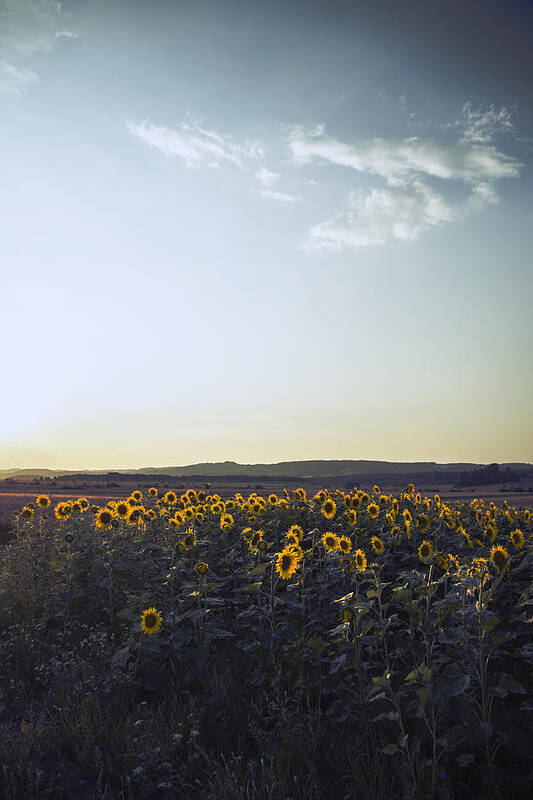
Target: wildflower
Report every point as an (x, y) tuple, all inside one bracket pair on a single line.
[(287, 563), (360, 560), (425, 551), (377, 545), (331, 541), (517, 538), (43, 501), (329, 508), (499, 557), (151, 621)]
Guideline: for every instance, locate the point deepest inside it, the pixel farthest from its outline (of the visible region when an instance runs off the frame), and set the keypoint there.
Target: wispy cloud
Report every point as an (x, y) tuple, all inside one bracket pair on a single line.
[(280, 196), (266, 177), (26, 28), (195, 145), (417, 172)]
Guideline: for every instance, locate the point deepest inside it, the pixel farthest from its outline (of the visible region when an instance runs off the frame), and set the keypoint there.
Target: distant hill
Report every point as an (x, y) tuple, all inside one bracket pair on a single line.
[(362, 469)]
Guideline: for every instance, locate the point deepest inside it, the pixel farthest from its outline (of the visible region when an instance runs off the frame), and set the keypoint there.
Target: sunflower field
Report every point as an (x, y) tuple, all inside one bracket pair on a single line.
[(346, 645)]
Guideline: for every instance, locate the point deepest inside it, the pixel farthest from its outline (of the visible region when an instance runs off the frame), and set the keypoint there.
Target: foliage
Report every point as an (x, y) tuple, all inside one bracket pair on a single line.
[(352, 644)]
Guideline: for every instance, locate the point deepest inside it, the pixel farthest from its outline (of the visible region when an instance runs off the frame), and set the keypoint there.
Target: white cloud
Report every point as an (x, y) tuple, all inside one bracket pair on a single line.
[(26, 28), (66, 35), (195, 145), (280, 196), (266, 177), (15, 81), (385, 215), (403, 159), (412, 168)]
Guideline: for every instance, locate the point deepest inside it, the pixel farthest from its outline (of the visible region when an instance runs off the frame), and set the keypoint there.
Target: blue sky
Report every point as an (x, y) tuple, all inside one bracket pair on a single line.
[(265, 231)]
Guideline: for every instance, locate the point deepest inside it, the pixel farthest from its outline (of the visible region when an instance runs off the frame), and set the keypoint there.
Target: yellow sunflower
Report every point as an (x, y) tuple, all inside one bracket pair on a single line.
[(287, 563), (296, 530), (27, 513), (122, 509), (377, 545), (273, 499), (62, 511), (499, 557), (43, 501), (345, 544), (372, 510), (351, 517), (152, 491), (151, 620), (517, 538), (104, 518), (331, 541), (360, 560), (202, 568), (329, 508), (170, 497), (425, 551), (226, 521)]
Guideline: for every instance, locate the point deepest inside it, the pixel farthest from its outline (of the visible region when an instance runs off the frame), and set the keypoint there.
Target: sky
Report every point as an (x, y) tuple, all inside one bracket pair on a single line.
[(262, 232)]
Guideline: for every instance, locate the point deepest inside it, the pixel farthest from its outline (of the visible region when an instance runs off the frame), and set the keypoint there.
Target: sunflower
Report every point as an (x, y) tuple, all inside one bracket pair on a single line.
[(300, 494), (425, 551), (491, 532), (296, 530), (407, 518), (273, 499), (453, 563), (137, 495), (103, 518), (418, 498), (372, 510), (76, 507), (329, 508), (226, 521), (135, 515), (360, 560), (287, 563), (499, 557), (122, 509), (254, 540), (189, 512), (351, 517), (170, 497), (84, 503), (517, 538), (43, 501), (202, 568), (395, 505), (331, 541), (292, 539), (422, 523), (62, 511), (192, 495), (364, 498), (152, 491), (151, 620), (377, 545), (376, 489), (189, 540), (27, 513), (345, 544)]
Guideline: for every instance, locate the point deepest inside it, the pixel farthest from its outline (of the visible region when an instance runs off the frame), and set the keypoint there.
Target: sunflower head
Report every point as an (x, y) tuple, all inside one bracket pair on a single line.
[(425, 551), (329, 508), (152, 491), (499, 557), (331, 541), (345, 544), (517, 539), (287, 563), (151, 620), (351, 517), (360, 561), (104, 518), (26, 513), (43, 501), (377, 545), (376, 489), (372, 510)]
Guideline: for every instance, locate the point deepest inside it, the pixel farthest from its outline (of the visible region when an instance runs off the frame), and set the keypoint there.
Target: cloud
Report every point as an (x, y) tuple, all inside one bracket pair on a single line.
[(266, 177), (66, 35), (280, 196), (398, 160), (384, 215), (26, 28), (15, 81), (196, 146), (417, 172)]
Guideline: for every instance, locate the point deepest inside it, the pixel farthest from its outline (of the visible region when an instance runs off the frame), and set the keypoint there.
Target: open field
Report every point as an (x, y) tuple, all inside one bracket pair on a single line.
[(334, 645)]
